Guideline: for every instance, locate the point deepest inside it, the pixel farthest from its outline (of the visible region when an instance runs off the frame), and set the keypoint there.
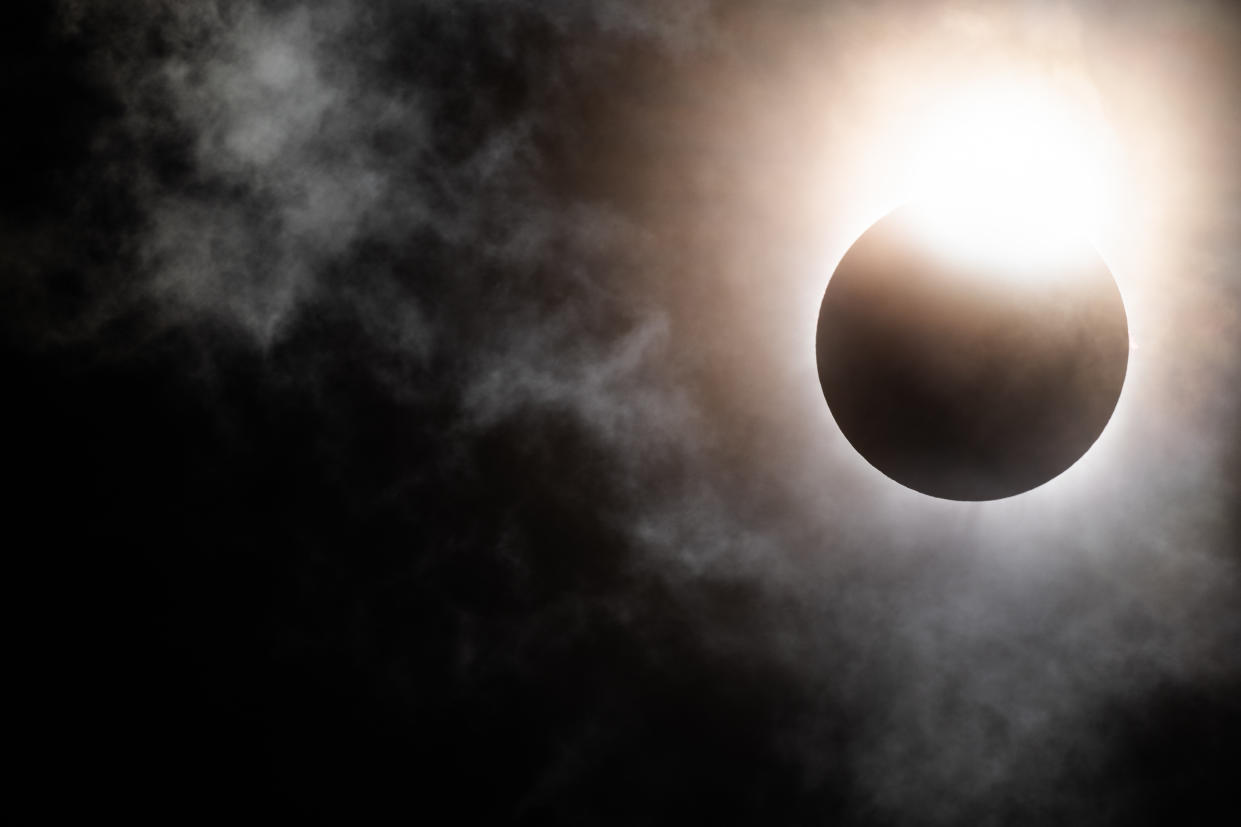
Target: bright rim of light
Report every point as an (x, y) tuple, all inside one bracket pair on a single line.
[(1012, 171)]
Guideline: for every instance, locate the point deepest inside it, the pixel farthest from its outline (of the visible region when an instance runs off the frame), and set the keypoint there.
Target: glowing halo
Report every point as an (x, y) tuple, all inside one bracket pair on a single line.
[(808, 130), (1012, 171)]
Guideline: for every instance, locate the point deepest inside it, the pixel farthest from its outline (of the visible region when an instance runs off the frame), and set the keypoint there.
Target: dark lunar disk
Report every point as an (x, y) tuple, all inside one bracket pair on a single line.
[(966, 379)]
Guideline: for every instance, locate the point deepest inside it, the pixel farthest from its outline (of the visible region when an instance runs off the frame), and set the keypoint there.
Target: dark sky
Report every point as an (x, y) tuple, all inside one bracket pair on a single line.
[(412, 415)]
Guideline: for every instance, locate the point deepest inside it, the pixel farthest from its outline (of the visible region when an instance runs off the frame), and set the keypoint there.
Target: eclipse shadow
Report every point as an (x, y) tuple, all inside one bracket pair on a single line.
[(965, 380)]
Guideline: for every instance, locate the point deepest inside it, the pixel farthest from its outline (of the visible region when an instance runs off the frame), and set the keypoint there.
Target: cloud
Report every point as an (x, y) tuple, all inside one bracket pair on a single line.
[(403, 165)]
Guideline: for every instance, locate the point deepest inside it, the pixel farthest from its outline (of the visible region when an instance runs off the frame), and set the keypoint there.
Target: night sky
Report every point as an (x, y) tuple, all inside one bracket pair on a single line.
[(412, 415)]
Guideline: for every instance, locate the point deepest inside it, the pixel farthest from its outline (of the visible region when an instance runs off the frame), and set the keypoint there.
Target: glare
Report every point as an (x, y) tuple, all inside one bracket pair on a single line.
[(1002, 237), (1012, 170)]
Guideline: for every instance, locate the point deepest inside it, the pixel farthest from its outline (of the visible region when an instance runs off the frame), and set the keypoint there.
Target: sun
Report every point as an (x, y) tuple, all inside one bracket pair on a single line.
[(1015, 181), (1014, 171)]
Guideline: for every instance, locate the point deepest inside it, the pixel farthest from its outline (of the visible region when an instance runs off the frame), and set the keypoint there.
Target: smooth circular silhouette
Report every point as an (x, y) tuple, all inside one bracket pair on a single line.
[(969, 377)]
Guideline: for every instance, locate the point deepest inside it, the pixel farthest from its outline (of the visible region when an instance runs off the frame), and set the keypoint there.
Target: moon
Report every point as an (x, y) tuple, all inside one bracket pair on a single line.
[(970, 377)]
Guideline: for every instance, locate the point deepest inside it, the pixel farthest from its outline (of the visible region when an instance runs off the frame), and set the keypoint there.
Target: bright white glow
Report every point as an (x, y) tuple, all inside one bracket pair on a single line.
[(1003, 237), (1013, 171)]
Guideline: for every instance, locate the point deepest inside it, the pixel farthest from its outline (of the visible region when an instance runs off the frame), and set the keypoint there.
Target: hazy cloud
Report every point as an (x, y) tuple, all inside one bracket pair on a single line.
[(271, 150)]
